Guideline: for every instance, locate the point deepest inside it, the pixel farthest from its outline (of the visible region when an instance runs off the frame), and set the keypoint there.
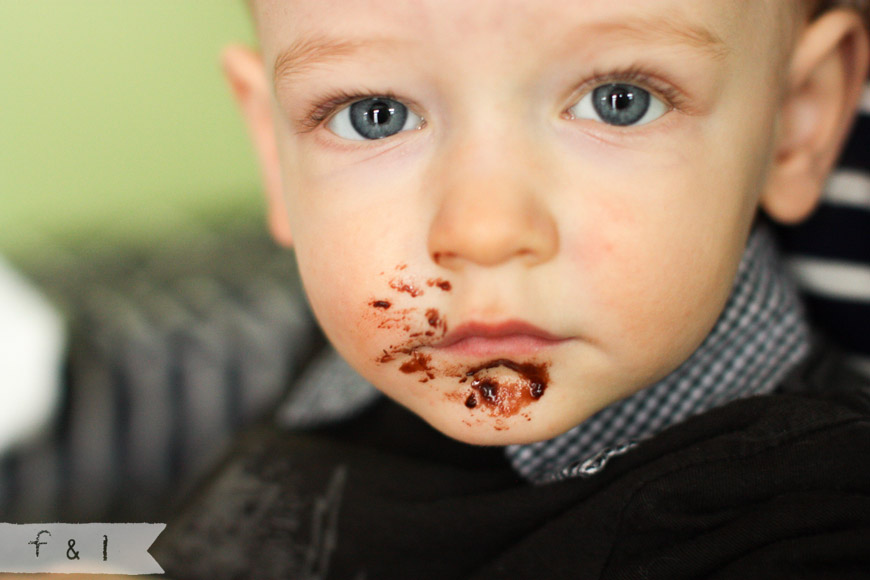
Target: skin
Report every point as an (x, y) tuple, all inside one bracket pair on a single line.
[(619, 243)]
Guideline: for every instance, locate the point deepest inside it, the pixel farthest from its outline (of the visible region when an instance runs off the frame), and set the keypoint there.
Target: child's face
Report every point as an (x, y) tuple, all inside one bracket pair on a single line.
[(523, 248)]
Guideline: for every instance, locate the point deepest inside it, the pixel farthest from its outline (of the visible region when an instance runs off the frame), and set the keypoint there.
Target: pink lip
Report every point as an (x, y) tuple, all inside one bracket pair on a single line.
[(513, 337)]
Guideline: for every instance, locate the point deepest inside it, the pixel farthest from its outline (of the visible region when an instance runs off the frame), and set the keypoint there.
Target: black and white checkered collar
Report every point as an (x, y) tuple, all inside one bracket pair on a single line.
[(758, 339)]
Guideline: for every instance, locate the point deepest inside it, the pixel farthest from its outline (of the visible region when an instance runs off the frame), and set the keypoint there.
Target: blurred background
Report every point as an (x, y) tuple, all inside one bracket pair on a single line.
[(115, 124), (145, 314)]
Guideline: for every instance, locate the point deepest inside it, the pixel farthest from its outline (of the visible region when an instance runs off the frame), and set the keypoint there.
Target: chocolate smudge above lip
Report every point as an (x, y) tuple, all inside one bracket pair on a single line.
[(411, 359), (406, 287), (383, 304), (441, 283)]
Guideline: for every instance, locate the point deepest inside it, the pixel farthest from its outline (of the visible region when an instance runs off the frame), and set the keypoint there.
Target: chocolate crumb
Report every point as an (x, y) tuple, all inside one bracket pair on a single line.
[(441, 283), (402, 286), (419, 363), (487, 388)]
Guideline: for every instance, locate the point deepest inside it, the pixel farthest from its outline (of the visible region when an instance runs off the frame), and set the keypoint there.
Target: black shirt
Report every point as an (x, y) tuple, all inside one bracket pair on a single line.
[(774, 486)]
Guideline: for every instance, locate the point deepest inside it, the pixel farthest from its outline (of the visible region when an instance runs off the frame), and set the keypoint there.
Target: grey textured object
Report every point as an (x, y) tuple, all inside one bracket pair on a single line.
[(172, 351), (329, 391)]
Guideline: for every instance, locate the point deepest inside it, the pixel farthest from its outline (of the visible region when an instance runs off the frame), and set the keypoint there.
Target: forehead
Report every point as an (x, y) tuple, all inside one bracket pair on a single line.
[(524, 23)]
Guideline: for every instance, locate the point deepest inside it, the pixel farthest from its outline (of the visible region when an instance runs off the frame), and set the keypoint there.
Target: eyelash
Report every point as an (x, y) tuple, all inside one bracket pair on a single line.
[(334, 101), (671, 95), (633, 75)]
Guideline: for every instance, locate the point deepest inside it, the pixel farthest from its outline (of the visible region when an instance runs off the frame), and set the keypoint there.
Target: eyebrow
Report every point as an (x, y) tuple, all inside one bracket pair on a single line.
[(309, 52), (669, 30)]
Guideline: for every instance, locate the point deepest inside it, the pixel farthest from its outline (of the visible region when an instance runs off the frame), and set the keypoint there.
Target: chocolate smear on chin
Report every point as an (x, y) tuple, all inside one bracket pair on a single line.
[(506, 397)]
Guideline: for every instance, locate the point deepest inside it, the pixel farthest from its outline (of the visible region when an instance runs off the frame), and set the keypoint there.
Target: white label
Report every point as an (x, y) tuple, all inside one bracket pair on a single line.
[(79, 548)]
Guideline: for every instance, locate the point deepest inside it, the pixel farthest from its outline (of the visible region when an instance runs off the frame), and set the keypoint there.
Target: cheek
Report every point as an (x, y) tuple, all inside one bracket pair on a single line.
[(339, 268), (631, 277), (360, 240), (333, 288), (373, 307), (655, 272)]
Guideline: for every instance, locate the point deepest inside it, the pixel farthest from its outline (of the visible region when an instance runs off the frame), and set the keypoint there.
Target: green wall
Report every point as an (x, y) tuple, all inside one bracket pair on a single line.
[(115, 123)]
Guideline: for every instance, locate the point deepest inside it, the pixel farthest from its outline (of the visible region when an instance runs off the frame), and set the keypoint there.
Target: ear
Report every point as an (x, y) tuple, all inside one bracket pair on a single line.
[(243, 68), (827, 72)]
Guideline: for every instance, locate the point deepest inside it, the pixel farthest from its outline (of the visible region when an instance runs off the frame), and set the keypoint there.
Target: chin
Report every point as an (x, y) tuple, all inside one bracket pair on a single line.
[(486, 430)]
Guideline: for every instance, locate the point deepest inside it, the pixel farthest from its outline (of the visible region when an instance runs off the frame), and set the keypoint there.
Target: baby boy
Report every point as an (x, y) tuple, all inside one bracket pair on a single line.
[(539, 225)]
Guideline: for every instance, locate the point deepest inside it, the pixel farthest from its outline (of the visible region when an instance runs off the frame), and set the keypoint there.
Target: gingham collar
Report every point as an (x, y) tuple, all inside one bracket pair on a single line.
[(759, 338)]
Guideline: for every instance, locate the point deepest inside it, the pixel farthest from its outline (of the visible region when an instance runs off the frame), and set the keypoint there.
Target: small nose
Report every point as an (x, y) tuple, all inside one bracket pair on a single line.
[(492, 209)]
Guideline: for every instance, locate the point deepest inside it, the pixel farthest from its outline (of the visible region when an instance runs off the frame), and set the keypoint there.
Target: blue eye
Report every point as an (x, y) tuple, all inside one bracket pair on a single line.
[(619, 104), (373, 118)]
